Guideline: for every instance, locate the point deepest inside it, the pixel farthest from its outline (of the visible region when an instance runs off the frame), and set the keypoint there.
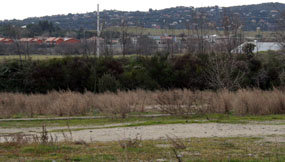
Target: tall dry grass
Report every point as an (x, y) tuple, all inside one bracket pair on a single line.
[(175, 102)]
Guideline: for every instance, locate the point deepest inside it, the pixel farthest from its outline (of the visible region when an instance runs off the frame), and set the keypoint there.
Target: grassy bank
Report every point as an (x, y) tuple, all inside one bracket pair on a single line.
[(171, 149), (31, 57), (146, 121)]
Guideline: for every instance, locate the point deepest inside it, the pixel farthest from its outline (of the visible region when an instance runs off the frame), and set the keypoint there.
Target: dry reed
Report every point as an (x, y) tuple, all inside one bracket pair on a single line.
[(176, 102)]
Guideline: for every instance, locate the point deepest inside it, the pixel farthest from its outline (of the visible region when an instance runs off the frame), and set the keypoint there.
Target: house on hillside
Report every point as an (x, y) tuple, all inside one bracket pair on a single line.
[(71, 40), (93, 40), (26, 40), (164, 42), (50, 40), (58, 41), (31, 40), (54, 41), (260, 47), (37, 40), (157, 39), (6, 40)]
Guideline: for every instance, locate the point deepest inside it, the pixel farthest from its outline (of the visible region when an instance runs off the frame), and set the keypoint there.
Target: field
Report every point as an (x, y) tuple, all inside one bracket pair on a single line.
[(138, 124), (175, 125), (47, 57), (32, 57), (129, 139), (176, 32), (193, 149)]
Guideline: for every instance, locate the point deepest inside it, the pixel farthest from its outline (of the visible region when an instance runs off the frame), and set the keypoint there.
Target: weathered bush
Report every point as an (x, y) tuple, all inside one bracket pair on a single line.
[(181, 102)]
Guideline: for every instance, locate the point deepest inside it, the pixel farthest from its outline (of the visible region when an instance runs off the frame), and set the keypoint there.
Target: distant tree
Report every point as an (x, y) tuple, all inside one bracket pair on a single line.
[(43, 27), (224, 72), (146, 45), (11, 31), (108, 44), (231, 30), (46, 26), (198, 28), (2, 49), (248, 48), (280, 31), (125, 37), (81, 34)]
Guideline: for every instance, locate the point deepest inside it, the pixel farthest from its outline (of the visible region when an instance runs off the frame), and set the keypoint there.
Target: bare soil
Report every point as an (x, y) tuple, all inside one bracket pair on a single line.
[(101, 133)]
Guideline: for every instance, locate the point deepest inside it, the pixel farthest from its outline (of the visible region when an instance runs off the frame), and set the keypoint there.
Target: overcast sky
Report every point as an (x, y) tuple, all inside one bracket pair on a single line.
[(20, 9)]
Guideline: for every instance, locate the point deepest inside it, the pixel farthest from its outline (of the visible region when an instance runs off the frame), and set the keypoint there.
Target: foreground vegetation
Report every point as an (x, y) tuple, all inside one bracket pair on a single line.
[(194, 149)]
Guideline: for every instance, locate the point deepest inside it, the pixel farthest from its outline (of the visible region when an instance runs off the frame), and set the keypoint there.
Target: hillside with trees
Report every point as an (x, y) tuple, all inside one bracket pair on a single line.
[(252, 16)]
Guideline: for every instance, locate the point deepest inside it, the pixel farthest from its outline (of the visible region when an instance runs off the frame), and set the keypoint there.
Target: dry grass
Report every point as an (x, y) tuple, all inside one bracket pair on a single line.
[(54, 103), (249, 102), (19, 139), (175, 102), (131, 143), (181, 102)]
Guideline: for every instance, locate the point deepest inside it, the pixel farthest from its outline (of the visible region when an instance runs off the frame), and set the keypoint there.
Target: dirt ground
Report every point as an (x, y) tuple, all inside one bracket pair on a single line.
[(101, 133)]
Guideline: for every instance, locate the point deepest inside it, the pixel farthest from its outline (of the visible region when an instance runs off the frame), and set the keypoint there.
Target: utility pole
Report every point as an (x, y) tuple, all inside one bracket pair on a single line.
[(98, 31)]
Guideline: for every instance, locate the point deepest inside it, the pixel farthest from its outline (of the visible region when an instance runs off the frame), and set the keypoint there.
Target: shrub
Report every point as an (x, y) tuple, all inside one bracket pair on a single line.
[(108, 83), (195, 72)]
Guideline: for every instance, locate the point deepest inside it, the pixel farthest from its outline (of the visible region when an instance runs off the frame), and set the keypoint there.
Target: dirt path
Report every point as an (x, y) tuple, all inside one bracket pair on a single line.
[(82, 117), (160, 131)]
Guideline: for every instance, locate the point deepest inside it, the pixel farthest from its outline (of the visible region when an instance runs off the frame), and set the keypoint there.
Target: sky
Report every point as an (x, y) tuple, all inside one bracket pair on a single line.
[(20, 9)]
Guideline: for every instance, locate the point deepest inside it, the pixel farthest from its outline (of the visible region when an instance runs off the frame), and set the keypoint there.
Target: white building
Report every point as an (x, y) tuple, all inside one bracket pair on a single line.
[(260, 47)]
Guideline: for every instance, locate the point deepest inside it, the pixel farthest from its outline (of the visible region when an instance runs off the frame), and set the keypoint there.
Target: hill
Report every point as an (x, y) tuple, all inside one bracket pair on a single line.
[(252, 16)]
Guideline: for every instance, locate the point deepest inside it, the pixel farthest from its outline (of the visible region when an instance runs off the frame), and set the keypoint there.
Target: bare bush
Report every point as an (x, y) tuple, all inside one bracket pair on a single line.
[(69, 104), (120, 103), (131, 143), (177, 144), (221, 102), (181, 102), (258, 102), (54, 103), (19, 139), (249, 102), (15, 139)]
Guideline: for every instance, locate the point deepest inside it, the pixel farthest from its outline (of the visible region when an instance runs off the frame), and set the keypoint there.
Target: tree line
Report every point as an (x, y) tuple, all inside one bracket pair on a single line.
[(196, 72)]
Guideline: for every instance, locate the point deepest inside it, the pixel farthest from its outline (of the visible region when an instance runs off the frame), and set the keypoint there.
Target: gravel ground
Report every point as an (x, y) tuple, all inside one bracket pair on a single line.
[(161, 131)]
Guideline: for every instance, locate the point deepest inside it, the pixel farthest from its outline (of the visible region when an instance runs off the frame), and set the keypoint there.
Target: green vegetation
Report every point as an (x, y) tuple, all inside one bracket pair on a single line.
[(163, 18), (176, 32), (31, 57), (194, 149), (144, 121), (31, 30), (151, 73)]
